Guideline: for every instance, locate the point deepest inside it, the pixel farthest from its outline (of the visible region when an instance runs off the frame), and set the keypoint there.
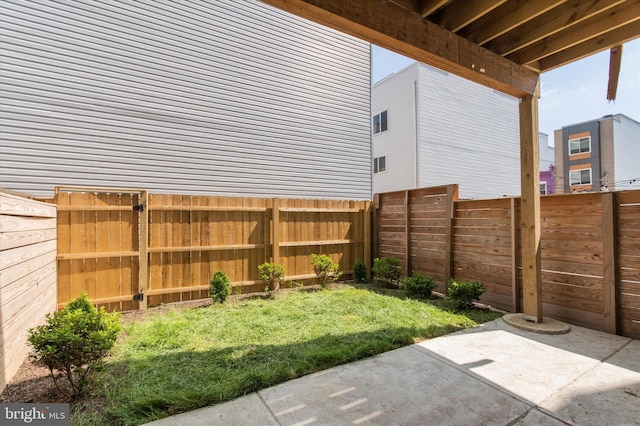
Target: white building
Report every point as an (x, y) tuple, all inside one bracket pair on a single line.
[(437, 128), (222, 97)]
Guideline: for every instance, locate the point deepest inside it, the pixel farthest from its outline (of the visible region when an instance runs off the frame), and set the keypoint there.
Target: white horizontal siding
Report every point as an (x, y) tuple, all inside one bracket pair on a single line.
[(225, 97), (469, 135), (626, 152)]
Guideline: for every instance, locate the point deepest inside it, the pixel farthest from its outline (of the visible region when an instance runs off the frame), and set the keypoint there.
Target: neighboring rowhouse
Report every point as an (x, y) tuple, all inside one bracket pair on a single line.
[(433, 128), (598, 155), (222, 97), (547, 168)]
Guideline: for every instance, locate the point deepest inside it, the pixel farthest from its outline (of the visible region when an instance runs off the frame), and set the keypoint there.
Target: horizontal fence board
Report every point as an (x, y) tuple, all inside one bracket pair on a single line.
[(19, 206)]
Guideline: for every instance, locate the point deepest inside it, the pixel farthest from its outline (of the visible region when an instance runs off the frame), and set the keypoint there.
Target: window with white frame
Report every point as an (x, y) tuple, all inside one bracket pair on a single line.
[(380, 164), (380, 122), (580, 177), (579, 145), (543, 188)]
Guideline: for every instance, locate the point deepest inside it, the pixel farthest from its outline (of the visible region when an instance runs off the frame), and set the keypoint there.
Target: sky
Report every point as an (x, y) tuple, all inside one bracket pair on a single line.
[(571, 94)]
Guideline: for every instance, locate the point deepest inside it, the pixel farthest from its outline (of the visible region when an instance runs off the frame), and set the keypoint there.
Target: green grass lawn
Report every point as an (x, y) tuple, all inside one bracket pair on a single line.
[(192, 357)]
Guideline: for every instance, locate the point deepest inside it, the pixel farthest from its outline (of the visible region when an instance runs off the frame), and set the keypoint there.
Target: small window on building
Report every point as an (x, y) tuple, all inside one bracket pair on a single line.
[(580, 177), (580, 145), (380, 164), (380, 122), (543, 188)]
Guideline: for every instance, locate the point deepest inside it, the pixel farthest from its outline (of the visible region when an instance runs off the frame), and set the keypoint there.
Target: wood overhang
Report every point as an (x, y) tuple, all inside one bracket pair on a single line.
[(503, 44)]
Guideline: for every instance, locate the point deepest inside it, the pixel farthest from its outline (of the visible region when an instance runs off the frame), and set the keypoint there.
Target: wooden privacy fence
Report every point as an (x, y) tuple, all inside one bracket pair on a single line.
[(590, 247), (27, 275), (129, 249)]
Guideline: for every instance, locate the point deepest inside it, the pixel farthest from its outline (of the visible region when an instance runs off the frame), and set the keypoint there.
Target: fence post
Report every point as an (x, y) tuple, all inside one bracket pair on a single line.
[(515, 297), (376, 230), (407, 229), (366, 253), (143, 249), (609, 260), (276, 231), (452, 195)]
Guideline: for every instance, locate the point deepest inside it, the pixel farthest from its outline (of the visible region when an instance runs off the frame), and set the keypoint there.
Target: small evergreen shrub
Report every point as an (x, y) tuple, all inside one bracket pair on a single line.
[(272, 275), (464, 293), (74, 342), (387, 270), (418, 286), (327, 271), (360, 273), (220, 287)]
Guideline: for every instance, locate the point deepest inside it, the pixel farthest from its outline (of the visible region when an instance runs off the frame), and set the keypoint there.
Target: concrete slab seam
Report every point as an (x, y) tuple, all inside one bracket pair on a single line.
[(605, 359), (268, 408), (474, 376)]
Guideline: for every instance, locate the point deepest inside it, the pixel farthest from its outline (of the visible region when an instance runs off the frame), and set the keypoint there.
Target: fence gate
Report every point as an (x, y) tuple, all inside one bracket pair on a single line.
[(101, 234)]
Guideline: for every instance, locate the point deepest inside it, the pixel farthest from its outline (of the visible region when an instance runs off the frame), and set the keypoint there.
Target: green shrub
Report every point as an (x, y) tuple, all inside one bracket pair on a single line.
[(464, 293), (327, 271), (74, 342), (418, 286), (387, 270), (360, 273), (220, 287), (272, 275)]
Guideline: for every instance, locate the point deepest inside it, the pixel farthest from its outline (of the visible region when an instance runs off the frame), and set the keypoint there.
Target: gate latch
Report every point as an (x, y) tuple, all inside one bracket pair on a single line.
[(139, 207), (139, 297)]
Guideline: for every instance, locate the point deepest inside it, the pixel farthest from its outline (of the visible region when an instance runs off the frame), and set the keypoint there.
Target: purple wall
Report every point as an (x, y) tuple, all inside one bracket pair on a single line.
[(547, 176)]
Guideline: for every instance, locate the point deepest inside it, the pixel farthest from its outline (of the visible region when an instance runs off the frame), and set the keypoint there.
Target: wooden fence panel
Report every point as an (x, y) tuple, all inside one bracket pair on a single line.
[(391, 226), (628, 262), (483, 248), (27, 275)]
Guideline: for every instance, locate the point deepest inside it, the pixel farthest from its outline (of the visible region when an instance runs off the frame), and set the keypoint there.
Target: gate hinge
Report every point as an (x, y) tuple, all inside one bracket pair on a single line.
[(139, 297), (139, 207)]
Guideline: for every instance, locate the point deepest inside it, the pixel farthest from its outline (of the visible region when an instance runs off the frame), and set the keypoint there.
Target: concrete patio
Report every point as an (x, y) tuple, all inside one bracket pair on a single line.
[(489, 375)]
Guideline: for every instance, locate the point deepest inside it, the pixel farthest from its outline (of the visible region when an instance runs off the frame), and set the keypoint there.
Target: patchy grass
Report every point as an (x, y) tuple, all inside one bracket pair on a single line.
[(190, 358)]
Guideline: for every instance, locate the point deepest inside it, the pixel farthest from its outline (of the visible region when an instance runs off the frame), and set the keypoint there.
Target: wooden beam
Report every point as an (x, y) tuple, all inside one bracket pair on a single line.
[(143, 276), (530, 209), (505, 18), (592, 46), (547, 24), (395, 28), (407, 230), (275, 230), (598, 25), (410, 5), (460, 14), (615, 60), (515, 288), (430, 6), (366, 252)]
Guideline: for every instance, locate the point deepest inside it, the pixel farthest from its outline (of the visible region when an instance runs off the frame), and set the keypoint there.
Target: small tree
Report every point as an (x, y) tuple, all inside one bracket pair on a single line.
[(419, 286), (74, 342), (327, 271), (387, 270), (464, 293), (360, 273), (272, 275), (220, 287)]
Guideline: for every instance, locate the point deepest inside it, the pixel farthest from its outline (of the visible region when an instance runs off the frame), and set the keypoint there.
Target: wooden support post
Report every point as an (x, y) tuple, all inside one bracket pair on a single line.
[(407, 229), (366, 253), (515, 290), (275, 253), (609, 260), (452, 196), (376, 227), (144, 246), (530, 207)]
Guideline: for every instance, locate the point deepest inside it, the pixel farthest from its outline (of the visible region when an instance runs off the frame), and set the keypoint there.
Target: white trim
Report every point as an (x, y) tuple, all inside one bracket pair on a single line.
[(582, 183), (579, 140)]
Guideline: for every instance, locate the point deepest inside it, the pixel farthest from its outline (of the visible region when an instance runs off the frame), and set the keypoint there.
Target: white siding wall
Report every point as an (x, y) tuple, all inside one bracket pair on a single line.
[(469, 134), (626, 140), (546, 152), (222, 97), (396, 94)]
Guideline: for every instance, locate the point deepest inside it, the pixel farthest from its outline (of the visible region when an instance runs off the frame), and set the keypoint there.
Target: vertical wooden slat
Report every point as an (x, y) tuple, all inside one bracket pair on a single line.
[(452, 196), (113, 245), (407, 230), (126, 244), (102, 236), (64, 247), (76, 229), (376, 226), (515, 295), (609, 261), (143, 278), (530, 207), (185, 258)]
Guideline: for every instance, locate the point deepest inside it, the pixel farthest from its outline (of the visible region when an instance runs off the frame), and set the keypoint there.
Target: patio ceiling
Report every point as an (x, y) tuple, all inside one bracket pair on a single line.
[(503, 44)]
